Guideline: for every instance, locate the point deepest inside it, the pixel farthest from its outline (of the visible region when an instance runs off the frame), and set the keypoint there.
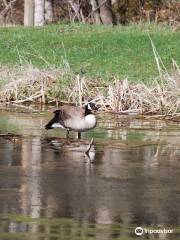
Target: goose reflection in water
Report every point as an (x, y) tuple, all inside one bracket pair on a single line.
[(73, 150)]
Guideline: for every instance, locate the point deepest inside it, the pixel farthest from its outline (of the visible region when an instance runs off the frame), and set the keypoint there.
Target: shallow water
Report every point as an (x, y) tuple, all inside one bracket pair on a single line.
[(51, 189)]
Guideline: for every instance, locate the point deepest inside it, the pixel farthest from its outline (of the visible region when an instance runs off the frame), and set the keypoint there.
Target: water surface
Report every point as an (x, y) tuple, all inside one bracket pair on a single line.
[(50, 189)]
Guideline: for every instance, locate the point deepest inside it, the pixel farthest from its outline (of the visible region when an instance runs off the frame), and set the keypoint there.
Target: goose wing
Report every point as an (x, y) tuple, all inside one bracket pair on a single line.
[(72, 112), (66, 116)]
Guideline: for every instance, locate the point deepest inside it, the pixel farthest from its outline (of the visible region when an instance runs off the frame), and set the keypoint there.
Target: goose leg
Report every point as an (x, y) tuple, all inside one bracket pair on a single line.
[(79, 135), (67, 133)]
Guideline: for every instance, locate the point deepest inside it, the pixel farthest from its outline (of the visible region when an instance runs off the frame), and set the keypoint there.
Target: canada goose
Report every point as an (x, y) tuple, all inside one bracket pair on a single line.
[(74, 118)]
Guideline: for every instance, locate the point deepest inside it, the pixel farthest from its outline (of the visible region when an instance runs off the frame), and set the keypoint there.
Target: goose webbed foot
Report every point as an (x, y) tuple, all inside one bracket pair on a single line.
[(67, 133), (79, 135)]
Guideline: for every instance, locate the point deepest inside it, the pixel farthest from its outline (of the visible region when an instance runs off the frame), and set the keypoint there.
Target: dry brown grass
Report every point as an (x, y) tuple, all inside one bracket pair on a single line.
[(26, 83), (139, 98), (29, 84)]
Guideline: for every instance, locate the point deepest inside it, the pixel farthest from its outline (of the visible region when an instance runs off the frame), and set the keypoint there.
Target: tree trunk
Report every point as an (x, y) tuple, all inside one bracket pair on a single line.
[(28, 12), (48, 11), (95, 12), (39, 12), (105, 11)]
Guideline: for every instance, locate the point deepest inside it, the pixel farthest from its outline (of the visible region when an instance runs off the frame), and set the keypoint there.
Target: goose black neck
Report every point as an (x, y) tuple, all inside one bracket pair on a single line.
[(87, 110)]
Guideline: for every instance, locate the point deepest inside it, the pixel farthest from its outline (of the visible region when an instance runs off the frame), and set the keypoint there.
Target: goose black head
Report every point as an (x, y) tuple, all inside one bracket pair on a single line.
[(89, 107)]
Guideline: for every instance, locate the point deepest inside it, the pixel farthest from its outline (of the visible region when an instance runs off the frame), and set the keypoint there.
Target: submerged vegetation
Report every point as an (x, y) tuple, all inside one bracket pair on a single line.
[(64, 228), (67, 228)]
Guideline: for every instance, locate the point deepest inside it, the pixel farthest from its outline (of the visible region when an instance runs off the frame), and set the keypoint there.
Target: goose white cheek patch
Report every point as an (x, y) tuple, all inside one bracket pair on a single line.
[(89, 107)]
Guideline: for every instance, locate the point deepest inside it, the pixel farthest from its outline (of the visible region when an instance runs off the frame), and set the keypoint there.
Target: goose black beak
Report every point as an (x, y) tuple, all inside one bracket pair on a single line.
[(95, 108)]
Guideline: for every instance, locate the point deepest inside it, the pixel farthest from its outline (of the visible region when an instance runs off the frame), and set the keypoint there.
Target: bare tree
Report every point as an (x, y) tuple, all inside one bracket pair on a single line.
[(75, 6), (39, 12), (8, 9), (48, 11), (28, 12), (102, 11), (95, 12), (106, 11)]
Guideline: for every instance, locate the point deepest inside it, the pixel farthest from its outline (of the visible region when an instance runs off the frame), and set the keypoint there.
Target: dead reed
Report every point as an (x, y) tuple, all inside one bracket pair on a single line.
[(28, 84)]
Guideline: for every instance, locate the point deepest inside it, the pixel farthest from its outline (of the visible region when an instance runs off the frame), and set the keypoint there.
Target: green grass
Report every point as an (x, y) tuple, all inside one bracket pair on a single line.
[(101, 51)]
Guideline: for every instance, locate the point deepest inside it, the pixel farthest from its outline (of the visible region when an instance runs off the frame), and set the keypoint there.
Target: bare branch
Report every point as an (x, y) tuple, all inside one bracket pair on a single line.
[(90, 14), (95, 12), (5, 3), (8, 6), (76, 8)]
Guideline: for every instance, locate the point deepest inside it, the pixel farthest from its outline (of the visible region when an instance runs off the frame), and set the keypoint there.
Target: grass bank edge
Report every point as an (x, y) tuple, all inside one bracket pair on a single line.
[(99, 51)]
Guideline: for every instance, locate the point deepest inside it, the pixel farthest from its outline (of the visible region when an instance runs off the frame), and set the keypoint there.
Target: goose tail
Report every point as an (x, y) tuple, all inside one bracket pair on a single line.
[(55, 121)]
